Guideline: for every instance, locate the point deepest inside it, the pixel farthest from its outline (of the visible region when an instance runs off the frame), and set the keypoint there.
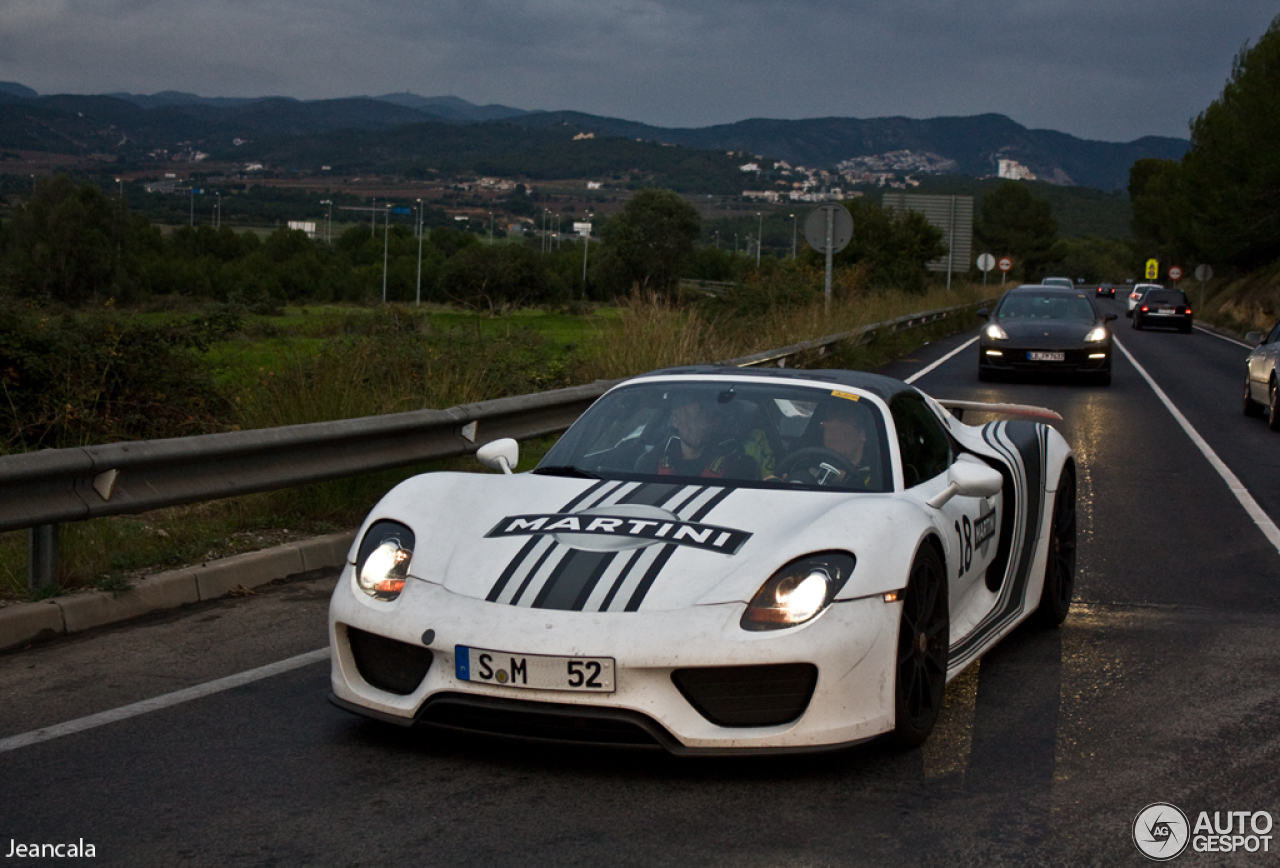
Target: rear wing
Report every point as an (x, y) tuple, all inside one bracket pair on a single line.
[(1027, 411)]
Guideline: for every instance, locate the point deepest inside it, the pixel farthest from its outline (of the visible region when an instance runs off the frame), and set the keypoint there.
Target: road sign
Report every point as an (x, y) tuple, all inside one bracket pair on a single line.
[(986, 262), (1153, 269), (1203, 273), (828, 229), (401, 210), (1175, 273), (1005, 263), (815, 227)]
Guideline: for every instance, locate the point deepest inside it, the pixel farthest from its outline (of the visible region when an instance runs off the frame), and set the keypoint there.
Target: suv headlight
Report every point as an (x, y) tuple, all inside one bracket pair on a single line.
[(994, 332), (798, 592), (382, 564)]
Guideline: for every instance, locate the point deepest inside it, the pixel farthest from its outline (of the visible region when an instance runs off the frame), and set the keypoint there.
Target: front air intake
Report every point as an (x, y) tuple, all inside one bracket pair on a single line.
[(749, 695), (387, 664)]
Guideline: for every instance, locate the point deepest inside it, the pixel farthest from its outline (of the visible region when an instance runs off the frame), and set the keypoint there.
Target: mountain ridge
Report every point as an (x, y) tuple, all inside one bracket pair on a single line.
[(109, 123)]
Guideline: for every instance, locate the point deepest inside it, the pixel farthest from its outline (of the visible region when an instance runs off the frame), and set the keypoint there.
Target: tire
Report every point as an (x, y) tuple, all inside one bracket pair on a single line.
[(1250, 406), (924, 639), (1060, 569), (1273, 408), (1137, 321)]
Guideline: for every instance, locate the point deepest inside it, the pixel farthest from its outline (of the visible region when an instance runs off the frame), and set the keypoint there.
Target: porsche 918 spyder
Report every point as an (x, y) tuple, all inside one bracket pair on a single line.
[(712, 560)]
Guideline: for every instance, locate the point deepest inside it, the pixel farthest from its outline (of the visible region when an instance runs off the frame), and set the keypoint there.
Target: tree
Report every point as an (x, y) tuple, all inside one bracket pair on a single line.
[(494, 277), (1232, 170), (892, 246), (1161, 221), (649, 244), (1014, 223), (64, 243)]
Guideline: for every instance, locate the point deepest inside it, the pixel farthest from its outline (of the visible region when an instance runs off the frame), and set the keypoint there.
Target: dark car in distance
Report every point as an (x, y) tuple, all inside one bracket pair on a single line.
[(1038, 329), (1107, 289), (1163, 307)]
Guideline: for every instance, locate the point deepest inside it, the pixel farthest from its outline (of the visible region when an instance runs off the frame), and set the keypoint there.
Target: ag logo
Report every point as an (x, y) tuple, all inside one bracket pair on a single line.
[(1161, 831)]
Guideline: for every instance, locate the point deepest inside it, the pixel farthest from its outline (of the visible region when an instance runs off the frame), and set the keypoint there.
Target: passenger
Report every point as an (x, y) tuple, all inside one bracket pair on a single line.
[(844, 431), (700, 445)]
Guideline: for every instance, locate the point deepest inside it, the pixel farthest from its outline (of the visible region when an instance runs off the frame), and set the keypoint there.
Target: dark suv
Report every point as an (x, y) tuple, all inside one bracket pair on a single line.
[(1163, 307)]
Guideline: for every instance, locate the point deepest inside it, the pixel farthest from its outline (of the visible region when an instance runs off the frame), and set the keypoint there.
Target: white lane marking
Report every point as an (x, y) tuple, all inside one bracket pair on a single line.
[(1260, 518), (920, 373), (1212, 333), (156, 703)]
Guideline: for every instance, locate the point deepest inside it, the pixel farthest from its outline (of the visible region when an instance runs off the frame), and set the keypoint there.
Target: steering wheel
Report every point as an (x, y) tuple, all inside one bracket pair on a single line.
[(808, 463)]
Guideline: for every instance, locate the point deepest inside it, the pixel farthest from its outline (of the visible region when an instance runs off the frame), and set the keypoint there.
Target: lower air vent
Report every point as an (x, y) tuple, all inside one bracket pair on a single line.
[(544, 721), (396, 667), (749, 695)]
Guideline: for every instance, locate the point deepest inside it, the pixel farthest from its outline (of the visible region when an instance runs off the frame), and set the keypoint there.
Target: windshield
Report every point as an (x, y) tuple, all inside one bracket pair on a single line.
[(1065, 308), (1165, 296), (717, 432)]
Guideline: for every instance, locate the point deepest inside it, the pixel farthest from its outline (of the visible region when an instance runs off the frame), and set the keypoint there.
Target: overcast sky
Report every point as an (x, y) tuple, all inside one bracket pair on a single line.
[(1113, 70)]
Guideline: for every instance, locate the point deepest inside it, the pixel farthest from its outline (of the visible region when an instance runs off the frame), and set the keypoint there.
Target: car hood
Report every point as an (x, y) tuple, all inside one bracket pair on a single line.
[(1047, 333), (561, 543)]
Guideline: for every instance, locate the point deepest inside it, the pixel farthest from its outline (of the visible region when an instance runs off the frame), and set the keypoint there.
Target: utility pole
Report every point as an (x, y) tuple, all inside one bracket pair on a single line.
[(418, 296), (386, 233), (759, 237)]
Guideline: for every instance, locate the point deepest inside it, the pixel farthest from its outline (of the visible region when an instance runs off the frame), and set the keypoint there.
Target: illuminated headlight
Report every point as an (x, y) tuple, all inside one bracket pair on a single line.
[(1096, 334), (382, 564), (994, 332), (798, 592)]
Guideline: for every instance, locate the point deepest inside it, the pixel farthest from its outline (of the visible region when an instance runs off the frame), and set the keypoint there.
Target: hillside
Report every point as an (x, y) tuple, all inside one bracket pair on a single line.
[(135, 128)]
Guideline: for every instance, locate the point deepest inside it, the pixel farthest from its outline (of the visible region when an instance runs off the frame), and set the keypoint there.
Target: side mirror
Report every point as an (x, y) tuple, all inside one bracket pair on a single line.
[(1254, 338), (501, 454), (1109, 317), (969, 478), (982, 311)]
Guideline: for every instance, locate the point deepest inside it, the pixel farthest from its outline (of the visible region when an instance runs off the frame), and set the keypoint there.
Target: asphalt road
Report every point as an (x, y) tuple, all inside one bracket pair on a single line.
[(1161, 686)]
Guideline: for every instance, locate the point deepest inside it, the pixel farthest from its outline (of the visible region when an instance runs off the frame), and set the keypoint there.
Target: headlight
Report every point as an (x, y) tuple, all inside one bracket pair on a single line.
[(1096, 334), (994, 332), (798, 592), (383, 561)]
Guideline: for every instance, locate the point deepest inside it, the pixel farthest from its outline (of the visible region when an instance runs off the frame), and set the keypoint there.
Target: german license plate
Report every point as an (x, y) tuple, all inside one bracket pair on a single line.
[(1164, 310), (1045, 357), (534, 671)]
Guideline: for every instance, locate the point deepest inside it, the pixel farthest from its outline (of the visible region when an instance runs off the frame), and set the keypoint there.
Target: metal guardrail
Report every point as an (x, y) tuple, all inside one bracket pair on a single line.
[(41, 489)]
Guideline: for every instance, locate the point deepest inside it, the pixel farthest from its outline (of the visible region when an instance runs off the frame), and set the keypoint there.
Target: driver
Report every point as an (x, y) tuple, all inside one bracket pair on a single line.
[(844, 425), (699, 447)]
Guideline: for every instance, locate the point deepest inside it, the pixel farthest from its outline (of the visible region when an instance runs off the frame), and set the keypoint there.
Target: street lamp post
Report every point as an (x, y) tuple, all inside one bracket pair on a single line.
[(328, 221), (373, 217), (386, 234), (418, 296), (759, 234), (793, 236), (490, 227)]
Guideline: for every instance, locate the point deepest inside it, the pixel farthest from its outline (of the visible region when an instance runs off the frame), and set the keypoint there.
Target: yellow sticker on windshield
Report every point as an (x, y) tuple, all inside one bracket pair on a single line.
[(848, 395)]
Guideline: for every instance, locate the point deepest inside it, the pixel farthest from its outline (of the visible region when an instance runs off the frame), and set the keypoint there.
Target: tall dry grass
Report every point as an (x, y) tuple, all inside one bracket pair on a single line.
[(654, 332)]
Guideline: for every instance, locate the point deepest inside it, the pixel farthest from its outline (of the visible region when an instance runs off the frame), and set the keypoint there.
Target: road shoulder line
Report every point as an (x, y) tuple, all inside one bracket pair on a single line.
[(1260, 518)]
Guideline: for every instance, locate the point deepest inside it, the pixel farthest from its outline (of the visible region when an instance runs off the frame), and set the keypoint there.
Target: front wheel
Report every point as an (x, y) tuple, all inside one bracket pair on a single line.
[(1060, 570), (924, 641)]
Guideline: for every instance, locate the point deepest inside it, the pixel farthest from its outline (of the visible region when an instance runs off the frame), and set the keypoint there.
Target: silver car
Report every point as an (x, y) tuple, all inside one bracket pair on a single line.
[(1260, 377), (1136, 294)]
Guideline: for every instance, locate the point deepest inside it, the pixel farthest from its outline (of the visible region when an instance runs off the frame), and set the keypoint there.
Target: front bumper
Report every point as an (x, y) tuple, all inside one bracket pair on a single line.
[(1000, 357), (852, 645)]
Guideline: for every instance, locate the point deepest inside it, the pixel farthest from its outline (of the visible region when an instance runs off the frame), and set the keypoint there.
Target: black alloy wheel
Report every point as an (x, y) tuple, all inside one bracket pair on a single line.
[(1250, 406), (1060, 571), (1273, 408), (924, 641)]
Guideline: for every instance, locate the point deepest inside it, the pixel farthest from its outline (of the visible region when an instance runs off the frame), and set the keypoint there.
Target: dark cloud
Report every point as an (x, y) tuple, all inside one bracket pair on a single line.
[(1103, 69)]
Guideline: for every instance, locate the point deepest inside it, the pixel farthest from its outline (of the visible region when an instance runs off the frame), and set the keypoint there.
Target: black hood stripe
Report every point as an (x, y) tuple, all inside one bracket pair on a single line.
[(524, 585), (651, 576), (527, 549), (622, 577)]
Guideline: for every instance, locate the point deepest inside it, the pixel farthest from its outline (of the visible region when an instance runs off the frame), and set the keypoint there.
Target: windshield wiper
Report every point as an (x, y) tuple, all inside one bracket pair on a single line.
[(564, 470)]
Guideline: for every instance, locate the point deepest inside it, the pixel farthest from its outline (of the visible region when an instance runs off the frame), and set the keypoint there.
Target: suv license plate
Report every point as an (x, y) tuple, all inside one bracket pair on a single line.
[(534, 671), (1045, 357)]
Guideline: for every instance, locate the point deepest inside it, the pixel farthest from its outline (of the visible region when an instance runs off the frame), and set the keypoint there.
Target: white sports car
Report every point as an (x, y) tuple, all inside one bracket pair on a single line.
[(712, 560)]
